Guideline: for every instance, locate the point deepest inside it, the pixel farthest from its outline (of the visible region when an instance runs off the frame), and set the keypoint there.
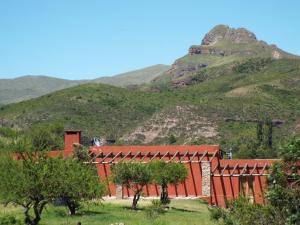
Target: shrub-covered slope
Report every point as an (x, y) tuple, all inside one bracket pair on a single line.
[(223, 109)]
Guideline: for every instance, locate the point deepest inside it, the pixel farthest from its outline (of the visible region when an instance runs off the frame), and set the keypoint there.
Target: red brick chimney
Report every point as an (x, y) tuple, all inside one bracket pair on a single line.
[(71, 137)]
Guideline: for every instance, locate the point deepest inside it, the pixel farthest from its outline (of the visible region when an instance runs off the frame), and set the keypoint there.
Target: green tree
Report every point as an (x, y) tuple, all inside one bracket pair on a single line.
[(46, 137), (133, 175), (75, 182), (172, 139), (284, 183), (167, 173), (25, 183)]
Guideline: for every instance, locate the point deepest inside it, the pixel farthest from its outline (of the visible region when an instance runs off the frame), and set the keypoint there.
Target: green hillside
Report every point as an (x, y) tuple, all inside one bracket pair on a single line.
[(135, 77), (215, 110), (28, 87)]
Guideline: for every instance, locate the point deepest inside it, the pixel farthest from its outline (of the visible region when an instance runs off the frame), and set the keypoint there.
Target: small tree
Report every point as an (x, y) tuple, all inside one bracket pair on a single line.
[(172, 139), (25, 183), (167, 173), (46, 137), (133, 175), (75, 182)]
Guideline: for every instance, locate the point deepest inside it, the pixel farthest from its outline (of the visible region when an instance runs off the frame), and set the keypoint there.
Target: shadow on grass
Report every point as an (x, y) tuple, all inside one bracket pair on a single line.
[(183, 210), (64, 213), (131, 209)]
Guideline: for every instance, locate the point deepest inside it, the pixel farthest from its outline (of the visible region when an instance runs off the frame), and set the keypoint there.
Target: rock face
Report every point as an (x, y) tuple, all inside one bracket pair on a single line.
[(225, 33), (222, 46)]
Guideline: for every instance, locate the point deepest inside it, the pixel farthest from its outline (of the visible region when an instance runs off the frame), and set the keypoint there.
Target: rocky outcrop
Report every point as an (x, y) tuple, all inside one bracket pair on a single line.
[(225, 33), (200, 49)]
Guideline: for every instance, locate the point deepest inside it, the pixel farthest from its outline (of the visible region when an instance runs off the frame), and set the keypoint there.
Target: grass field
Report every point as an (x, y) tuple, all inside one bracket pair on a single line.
[(181, 212)]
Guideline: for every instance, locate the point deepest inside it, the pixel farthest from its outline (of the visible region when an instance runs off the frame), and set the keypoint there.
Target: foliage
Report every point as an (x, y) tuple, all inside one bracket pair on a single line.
[(99, 110), (284, 180), (46, 137), (167, 173), (172, 139), (283, 207), (242, 212), (38, 138), (252, 65), (26, 183), (133, 175), (9, 220), (81, 153), (36, 180), (75, 182), (155, 209)]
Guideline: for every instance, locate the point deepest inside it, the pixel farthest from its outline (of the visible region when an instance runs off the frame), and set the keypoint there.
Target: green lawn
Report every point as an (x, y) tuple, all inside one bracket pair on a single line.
[(181, 212)]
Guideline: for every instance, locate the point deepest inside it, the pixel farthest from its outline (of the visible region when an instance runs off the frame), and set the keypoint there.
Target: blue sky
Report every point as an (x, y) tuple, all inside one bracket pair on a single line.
[(83, 39)]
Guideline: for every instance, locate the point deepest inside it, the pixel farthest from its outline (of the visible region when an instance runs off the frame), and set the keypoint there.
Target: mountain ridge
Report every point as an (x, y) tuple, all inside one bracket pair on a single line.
[(31, 86)]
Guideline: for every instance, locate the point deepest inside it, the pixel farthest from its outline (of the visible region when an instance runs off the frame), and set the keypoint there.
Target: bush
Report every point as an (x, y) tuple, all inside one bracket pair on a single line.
[(9, 220), (242, 212), (155, 210)]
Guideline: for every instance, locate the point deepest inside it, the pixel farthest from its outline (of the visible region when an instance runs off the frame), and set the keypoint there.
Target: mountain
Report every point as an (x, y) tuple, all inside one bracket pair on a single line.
[(220, 47), (222, 103), (27, 87), (135, 77), (220, 110)]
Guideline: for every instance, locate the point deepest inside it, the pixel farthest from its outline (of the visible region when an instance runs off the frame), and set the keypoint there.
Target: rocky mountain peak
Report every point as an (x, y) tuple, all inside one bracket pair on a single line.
[(226, 33)]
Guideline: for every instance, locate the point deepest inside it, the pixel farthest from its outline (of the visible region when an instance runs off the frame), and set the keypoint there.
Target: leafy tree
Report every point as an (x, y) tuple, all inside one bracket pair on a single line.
[(284, 188), (172, 139), (167, 173), (25, 183), (133, 175), (46, 137), (75, 182)]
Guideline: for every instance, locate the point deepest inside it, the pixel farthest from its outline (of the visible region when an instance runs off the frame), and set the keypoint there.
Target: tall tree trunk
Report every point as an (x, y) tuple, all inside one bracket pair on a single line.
[(27, 219), (72, 210), (72, 205), (135, 200), (37, 209), (164, 196)]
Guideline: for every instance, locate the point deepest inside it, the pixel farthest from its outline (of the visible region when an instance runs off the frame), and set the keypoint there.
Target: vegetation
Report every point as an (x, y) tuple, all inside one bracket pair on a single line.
[(181, 212), (37, 180), (28, 87), (283, 196), (132, 175), (25, 183), (155, 209), (74, 183), (167, 173), (224, 103)]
